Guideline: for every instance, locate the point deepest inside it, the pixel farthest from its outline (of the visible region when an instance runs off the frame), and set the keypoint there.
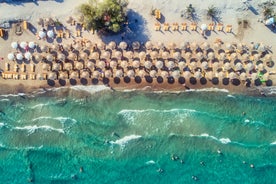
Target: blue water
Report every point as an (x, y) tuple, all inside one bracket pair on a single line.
[(75, 136)]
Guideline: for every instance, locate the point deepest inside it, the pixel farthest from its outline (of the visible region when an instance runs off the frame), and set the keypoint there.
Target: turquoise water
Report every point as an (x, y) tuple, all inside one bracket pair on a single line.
[(131, 137)]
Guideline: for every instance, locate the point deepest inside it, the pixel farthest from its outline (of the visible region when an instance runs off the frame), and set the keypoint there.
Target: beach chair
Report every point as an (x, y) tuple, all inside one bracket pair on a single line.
[(211, 26), (193, 26), (67, 33), (45, 76), (25, 25), (184, 26), (228, 28), (175, 26), (166, 27), (157, 27), (23, 68), (157, 14), (7, 66), (220, 27), (1, 33), (15, 76), (23, 76)]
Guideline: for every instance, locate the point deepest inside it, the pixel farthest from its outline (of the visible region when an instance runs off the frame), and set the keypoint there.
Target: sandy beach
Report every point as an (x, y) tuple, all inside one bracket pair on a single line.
[(142, 29)]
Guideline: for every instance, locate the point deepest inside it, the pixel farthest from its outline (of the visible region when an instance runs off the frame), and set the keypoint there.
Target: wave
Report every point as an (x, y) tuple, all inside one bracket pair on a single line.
[(150, 162), (34, 128), (208, 90), (2, 124), (13, 95), (61, 119), (21, 148), (231, 96), (123, 141), (4, 100), (221, 140), (273, 143), (90, 89), (39, 105)]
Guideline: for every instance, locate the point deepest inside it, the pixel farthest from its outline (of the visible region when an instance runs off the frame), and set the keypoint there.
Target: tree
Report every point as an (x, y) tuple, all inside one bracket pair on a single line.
[(212, 12), (267, 12), (190, 10), (105, 16)]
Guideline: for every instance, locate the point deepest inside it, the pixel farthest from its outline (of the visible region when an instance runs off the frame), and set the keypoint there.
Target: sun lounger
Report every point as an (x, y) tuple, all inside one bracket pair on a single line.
[(45, 76), (184, 26), (23, 68), (175, 26), (15, 76), (157, 14), (157, 27), (220, 27), (228, 28), (7, 66), (25, 25), (15, 68), (211, 27), (23, 76), (67, 33), (1, 33), (166, 27), (193, 26)]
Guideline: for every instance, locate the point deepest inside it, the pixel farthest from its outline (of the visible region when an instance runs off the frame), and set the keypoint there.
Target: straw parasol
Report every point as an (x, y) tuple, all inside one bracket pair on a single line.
[(222, 56), (14, 45), (101, 64), (164, 74), (197, 75), (49, 57), (170, 64), (68, 66), (52, 76), (124, 64), (141, 73), (211, 55), (10, 56), (249, 66), (193, 65), (194, 45), (123, 45), (90, 65), (177, 55), (55, 67), (154, 54), (243, 76), (79, 65), (205, 46), (232, 75), (172, 46), (199, 55), (74, 75), (160, 45), (268, 57), (165, 55), (119, 73), (42, 34), (221, 74), (66, 46), (50, 34), (45, 66), (136, 45), (266, 76), (149, 45), (254, 76), (148, 64), (28, 55), (257, 56), (159, 64), (84, 74), (217, 46), (238, 66), (142, 55), (113, 64), (153, 73), (209, 75), (227, 66), (204, 65), (77, 46), (37, 57), (130, 73), (83, 55), (182, 64), (215, 65), (184, 45), (135, 64), (61, 57), (188, 55), (19, 56), (101, 45), (112, 45), (229, 46), (260, 66), (96, 74), (176, 74), (95, 55), (233, 56), (118, 54), (63, 75), (129, 54), (108, 73), (187, 74), (88, 44), (72, 56)]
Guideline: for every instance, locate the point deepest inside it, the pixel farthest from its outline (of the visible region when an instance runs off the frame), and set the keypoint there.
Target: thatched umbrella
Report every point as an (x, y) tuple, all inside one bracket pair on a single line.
[(194, 45), (211, 55), (221, 74), (149, 45), (130, 73), (182, 65), (141, 73), (90, 65), (83, 55), (56, 67), (72, 56), (205, 46), (249, 66), (222, 56), (165, 55), (79, 65), (243, 76), (118, 54), (66, 46), (209, 75), (193, 65), (88, 44), (254, 76), (170, 64), (160, 45), (228, 46), (176, 74), (232, 75), (234, 56), (19, 56), (55, 47), (215, 65), (260, 66), (105, 55), (96, 74), (111, 45), (188, 55), (217, 46), (68, 66), (197, 74), (113, 64), (101, 45), (136, 45), (187, 74), (238, 66), (124, 64), (101, 64), (10, 56), (123, 45), (61, 57), (154, 54), (245, 56), (95, 55), (159, 64), (164, 74), (135, 64), (204, 65), (184, 45), (52, 76), (119, 73), (142, 55), (148, 64), (268, 57), (257, 56), (172, 46), (199, 55), (227, 66), (84, 74), (266, 76), (74, 75), (45, 66), (108, 73), (239, 46), (63, 75), (43, 48), (153, 73), (129, 54), (49, 57), (177, 55)]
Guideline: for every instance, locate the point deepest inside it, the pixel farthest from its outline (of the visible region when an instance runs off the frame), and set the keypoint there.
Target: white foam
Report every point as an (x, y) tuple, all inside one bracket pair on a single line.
[(4, 100), (32, 129), (209, 90), (247, 121), (60, 119), (150, 162), (1, 124), (123, 141), (231, 96), (225, 140), (221, 140), (39, 105), (123, 111), (273, 143), (13, 95)]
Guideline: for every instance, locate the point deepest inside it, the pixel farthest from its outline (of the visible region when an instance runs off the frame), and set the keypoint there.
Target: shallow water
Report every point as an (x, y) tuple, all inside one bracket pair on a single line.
[(126, 137)]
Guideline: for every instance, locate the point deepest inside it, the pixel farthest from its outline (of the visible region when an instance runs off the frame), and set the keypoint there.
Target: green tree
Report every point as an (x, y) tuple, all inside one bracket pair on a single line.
[(107, 15)]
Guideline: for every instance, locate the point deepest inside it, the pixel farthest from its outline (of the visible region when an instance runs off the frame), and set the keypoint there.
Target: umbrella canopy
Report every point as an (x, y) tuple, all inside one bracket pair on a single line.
[(49, 57), (211, 55), (172, 45), (123, 45), (136, 64), (160, 45), (19, 56), (118, 54), (153, 73), (66, 46), (72, 56), (84, 74), (88, 44), (74, 75), (254, 76), (45, 66), (233, 56), (10, 56), (37, 57), (232, 75), (170, 64), (113, 64), (28, 55), (205, 46), (148, 64), (55, 67), (257, 56), (221, 74), (260, 66), (50, 33), (141, 73), (83, 55), (204, 65), (68, 66), (243, 76), (101, 45), (154, 54), (129, 54), (203, 27), (159, 64), (142, 55), (268, 57), (229, 46), (44, 48), (215, 65), (61, 57), (165, 55), (124, 64), (55, 47), (217, 46), (193, 65), (101, 64), (95, 55), (188, 55), (269, 21), (41, 34), (176, 74), (119, 73), (90, 65), (222, 56), (52, 76), (63, 75), (181, 65), (32, 45), (79, 65), (238, 66), (130, 73), (184, 45), (227, 66), (112, 45), (23, 45), (96, 74), (136, 45), (197, 74), (77, 46), (14, 45), (149, 45), (199, 55), (164, 74), (194, 45), (177, 55), (245, 56), (108, 73), (187, 74), (249, 66)]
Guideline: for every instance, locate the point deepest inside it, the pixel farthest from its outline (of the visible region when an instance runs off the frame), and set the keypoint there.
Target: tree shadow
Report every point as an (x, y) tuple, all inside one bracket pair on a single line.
[(134, 30), (253, 10)]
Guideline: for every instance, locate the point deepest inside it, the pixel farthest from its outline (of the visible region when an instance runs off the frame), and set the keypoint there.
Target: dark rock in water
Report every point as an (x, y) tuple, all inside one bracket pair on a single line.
[(22, 96), (115, 134), (2, 112)]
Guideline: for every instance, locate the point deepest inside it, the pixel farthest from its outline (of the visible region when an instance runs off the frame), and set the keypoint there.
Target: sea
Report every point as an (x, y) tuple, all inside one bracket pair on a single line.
[(97, 135)]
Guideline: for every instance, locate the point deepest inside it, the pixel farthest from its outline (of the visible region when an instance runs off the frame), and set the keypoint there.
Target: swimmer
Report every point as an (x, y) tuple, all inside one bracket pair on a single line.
[(219, 152), (202, 163), (81, 169), (160, 170), (194, 178), (252, 166), (243, 113), (182, 161), (30, 180), (243, 162)]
